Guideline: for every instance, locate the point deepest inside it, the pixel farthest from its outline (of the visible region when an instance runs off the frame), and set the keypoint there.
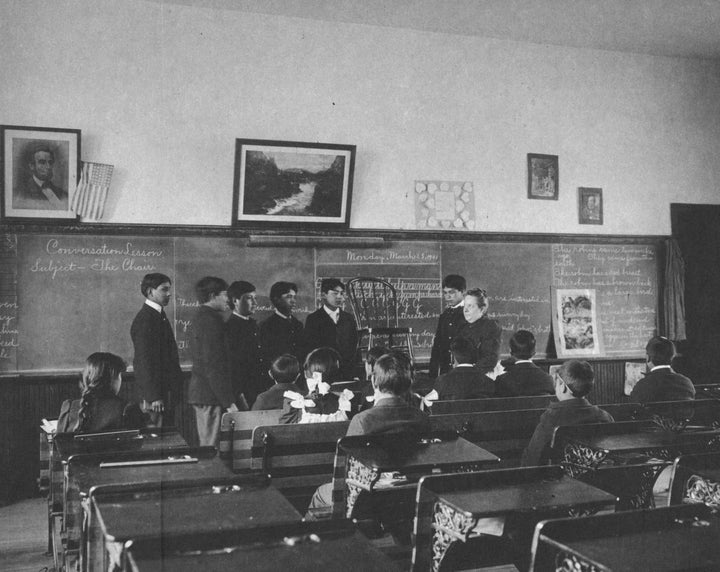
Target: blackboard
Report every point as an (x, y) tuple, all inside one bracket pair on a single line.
[(64, 296)]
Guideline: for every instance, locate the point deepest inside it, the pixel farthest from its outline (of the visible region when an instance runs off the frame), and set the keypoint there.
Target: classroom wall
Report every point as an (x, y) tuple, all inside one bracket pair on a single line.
[(162, 92)]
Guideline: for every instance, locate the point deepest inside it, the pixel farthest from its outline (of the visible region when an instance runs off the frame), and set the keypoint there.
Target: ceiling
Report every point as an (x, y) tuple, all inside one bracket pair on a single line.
[(678, 28)]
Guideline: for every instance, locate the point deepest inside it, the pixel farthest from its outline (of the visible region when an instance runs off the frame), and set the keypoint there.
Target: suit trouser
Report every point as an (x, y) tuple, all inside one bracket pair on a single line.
[(207, 419)]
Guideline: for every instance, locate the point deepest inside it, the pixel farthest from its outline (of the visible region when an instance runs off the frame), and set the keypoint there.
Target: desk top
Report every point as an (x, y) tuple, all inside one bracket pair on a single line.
[(681, 547), (133, 516), (84, 476), (347, 552), (421, 455), (146, 441), (563, 492), (646, 440)]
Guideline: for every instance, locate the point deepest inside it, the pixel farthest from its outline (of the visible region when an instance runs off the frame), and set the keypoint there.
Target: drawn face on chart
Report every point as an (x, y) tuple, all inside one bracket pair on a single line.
[(285, 304), (472, 310), (247, 304), (161, 294), (452, 296), (334, 298)]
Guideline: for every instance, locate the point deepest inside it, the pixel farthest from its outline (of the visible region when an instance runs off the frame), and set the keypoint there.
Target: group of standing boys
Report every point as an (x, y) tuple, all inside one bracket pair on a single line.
[(231, 357)]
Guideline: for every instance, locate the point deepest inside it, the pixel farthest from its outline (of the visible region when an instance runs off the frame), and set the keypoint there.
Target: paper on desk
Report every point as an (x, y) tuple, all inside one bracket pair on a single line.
[(49, 426)]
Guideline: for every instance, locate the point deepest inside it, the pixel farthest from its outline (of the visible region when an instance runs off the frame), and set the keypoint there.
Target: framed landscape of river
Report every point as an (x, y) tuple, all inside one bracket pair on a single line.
[(292, 184)]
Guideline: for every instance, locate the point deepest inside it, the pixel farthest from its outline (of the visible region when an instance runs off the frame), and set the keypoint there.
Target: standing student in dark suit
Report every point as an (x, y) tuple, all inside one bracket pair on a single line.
[(330, 326), (484, 332), (449, 324), (243, 343), (282, 333), (573, 382), (210, 391), (661, 383), (100, 409), (522, 376), (464, 381), (156, 363)]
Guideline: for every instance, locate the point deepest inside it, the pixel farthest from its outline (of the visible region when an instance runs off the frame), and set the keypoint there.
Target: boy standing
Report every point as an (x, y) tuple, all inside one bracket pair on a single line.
[(449, 324), (282, 333), (522, 376), (210, 391), (330, 326)]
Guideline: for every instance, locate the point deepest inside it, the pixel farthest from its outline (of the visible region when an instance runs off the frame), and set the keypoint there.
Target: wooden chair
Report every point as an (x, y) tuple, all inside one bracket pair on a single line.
[(696, 479), (491, 404), (236, 429), (376, 308)]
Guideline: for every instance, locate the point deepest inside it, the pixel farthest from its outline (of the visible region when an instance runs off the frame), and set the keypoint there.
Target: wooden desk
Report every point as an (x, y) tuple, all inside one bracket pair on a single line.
[(302, 547), (661, 540), (450, 506), (367, 458), (82, 472), (120, 513)]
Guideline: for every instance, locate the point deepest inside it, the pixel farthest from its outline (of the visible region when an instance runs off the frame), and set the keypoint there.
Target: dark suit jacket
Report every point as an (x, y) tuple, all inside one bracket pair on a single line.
[(465, 382), (209, 383), (389, 415), (524, 378), (156, 362), (280, 336), (485, 334), (449, 324), (243, 351), (107, 413), (273, 397), (30, 196), (575, 411), (662, 385), (321, 331)]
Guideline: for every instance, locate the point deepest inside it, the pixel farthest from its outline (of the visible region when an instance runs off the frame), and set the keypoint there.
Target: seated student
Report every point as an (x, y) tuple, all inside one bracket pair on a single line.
[(573, 381), (322, 368), (522, 376), (464, 381), (391, 413), (283, 371), (100, 409), (368, 391), (661, 383), (331, 326)]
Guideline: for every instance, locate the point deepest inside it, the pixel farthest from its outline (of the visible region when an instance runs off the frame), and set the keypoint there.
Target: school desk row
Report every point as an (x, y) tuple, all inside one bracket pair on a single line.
[(364, 487)]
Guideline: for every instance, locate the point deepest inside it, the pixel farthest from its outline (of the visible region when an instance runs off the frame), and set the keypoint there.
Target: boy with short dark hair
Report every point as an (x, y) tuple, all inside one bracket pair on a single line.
[(282, 333), (330, 326), (283, 371), (573, 381), (522, 376), (449, 324), (465, 381), (662, 383)]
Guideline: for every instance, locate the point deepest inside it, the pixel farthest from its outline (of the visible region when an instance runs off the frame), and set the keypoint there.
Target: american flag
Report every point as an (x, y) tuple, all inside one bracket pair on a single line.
[(92, 190)]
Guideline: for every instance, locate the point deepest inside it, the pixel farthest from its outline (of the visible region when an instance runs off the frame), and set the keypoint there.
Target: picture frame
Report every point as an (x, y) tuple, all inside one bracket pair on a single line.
[(292, 183), (543, 177), (40, 169), (590, 205), (575, 323)]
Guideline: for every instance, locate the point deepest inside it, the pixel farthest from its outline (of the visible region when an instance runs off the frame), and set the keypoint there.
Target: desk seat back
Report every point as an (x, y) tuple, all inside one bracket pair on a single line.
[(298, 457), (491, 404), (236, 431)]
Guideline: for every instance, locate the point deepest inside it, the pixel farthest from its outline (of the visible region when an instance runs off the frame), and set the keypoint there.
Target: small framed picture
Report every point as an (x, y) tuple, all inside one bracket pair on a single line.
[(40, 167), (290, 183), (590, 205), (543, 177)]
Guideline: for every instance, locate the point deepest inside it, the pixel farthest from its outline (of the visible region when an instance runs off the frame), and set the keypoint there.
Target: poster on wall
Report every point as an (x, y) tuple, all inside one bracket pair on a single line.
[(444, 205), (575, 323)]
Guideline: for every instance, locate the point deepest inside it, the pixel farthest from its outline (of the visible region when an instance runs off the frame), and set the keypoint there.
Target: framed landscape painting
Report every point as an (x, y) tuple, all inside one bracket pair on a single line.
[(543, 176), (40, 167), (292, 184)]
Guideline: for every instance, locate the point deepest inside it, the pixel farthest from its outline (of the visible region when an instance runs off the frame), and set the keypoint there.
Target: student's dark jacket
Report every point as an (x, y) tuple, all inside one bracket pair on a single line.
[(523, 379), (107, 413), (662, 384)]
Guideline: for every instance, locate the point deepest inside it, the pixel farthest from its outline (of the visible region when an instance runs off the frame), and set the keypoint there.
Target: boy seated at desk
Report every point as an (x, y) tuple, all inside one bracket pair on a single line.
[(573, 381), (464, 381), (661, 383), (392, 378), (284, 372), (522, 377), (99, 409)]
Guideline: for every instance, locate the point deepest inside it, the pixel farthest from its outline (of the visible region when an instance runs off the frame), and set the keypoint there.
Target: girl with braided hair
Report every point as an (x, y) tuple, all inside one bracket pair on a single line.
[(99, 408)]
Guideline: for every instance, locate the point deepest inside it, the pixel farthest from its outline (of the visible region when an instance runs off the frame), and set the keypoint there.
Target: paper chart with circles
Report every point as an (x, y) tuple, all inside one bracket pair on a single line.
[(445, 205)]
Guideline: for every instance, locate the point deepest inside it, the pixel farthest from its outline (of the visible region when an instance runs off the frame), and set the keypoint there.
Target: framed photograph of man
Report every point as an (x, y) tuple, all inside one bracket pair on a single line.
[(292, 184), (40, 167), (575, 323), (543, 177), (590, 205)]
